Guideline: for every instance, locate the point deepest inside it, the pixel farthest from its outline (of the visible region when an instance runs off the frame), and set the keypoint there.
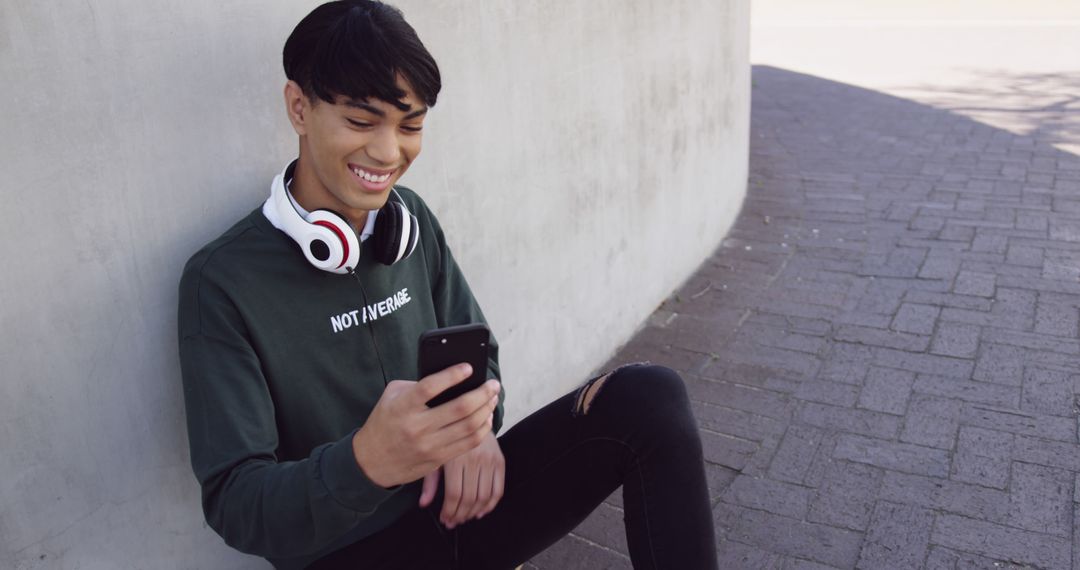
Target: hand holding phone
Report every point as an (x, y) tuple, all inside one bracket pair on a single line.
[(448, 346)]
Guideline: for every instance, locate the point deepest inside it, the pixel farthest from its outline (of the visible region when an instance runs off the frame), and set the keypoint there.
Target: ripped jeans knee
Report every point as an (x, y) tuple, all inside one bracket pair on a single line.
[(588, 391)]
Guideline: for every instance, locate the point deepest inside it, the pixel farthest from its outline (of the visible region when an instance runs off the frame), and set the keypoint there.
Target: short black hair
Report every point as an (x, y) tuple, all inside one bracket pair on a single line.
[(355, 49)]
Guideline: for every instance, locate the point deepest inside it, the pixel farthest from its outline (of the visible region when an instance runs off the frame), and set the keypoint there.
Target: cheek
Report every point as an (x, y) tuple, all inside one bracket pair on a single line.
[(411, 148)]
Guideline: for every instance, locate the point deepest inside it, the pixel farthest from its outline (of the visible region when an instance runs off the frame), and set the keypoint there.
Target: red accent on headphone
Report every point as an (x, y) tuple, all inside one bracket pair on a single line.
[(341, 236)]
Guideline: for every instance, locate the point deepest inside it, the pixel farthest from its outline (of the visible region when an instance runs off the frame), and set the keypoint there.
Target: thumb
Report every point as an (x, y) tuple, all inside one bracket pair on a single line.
[(431, 484)]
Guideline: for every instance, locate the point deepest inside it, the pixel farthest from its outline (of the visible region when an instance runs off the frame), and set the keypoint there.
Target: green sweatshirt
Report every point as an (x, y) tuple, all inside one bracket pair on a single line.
[(280, 369)]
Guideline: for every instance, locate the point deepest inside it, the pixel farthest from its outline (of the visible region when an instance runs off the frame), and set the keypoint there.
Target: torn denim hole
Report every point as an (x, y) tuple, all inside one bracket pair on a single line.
[(588, 391)]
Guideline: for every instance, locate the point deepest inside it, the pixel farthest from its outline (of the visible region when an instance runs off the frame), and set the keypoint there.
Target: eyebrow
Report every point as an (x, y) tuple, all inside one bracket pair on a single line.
[(379, 112)]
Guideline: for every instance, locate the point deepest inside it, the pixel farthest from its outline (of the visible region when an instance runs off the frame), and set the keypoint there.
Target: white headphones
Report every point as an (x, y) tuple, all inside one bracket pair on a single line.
[(329, 241)]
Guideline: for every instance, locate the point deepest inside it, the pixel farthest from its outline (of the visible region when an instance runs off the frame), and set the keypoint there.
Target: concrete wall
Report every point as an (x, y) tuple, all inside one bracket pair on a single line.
[(584, 157)]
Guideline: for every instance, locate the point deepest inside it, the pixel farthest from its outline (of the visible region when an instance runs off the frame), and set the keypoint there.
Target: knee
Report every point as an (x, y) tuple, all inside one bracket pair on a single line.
[(636, 389)]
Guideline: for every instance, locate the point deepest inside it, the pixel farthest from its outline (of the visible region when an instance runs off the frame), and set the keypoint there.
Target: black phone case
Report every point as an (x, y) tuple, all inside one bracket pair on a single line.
[(445, 347)]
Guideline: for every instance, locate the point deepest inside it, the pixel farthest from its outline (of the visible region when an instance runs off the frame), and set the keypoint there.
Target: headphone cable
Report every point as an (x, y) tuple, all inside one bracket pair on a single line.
[(370, 324)]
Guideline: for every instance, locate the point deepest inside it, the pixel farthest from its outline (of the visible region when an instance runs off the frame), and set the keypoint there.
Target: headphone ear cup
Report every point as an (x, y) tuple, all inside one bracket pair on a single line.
[(337, 249), (414, 233), (388, 233)]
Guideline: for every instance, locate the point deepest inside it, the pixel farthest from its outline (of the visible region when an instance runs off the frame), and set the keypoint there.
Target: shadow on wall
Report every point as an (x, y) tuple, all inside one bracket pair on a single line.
[(860, 202)]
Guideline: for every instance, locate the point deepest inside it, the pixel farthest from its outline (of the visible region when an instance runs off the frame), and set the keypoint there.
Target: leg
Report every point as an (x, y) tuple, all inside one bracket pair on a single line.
[(632, 428)]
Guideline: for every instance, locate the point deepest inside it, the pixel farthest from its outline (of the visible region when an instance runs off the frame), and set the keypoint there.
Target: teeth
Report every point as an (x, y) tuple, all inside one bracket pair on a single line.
[(369, 176)]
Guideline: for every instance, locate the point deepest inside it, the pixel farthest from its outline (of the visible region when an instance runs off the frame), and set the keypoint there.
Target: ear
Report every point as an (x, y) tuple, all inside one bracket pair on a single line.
[(297, 106)]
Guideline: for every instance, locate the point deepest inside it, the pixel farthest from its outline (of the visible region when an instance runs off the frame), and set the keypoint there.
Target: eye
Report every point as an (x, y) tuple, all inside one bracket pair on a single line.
[(412, 128), (359, 124)]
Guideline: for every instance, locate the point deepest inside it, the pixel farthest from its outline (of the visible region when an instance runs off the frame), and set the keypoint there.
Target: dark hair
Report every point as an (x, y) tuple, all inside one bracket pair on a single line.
[(355, 49)]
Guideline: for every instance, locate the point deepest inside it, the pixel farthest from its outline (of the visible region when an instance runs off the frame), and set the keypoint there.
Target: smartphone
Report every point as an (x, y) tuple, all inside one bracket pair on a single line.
[(448, 346)]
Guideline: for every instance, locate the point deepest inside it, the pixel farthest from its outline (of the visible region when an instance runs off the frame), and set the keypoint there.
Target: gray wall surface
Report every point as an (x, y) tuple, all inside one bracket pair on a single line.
[(584, 157)]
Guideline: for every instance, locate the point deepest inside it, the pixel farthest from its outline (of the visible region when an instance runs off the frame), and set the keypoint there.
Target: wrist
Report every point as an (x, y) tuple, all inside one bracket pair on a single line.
[(367, 464)]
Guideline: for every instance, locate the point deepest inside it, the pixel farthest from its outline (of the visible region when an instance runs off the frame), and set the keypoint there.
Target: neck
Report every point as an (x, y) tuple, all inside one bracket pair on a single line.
[(309, 192)]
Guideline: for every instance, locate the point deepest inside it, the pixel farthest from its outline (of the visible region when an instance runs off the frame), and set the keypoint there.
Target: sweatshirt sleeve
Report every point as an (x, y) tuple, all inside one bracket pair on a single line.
[(455, 305), (257, 504)]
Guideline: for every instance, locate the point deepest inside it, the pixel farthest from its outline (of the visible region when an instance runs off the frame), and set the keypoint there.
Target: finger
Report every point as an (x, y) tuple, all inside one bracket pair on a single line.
[(434, 384), (483, 492), (431, 484), (449, 412), (497, 486), (470, 486), (466, 433), (452, 497)]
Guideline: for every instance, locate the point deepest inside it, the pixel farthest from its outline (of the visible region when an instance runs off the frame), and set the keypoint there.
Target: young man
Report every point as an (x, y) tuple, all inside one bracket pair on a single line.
[(308, 424)]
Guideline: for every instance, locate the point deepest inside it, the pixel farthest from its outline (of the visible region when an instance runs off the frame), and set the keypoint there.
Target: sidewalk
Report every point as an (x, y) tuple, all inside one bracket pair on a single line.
[(883, 354)]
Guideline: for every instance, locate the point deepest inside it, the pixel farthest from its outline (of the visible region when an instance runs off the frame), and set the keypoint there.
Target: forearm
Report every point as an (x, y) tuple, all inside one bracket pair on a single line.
[(292, 508)]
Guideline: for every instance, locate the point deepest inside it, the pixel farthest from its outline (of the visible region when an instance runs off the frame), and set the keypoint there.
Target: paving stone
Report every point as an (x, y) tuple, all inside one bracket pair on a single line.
[(717, 477), (973, 283), (940, 264), (575, 552), (886, 390), (1033, 341), (983, 457), (1061, 265), (746, 352), (925, 363), (1065, 455), (736, 422), (883, 338), (605, 527), (846, 496), (941, 558), (800, 564), (1065, 229), (1057, 315), (893, 455), (932, 421), (1014, 308), (748, 398), (850, 420), (795, 454), (1076, 536), (996, 540), (954, 339), (948, 495), (1000, 364), (948, 300), (1040, 499), (1021, 423), (826, 392), (732, 554), (817, 542), (968, 390), (916, 319), (768, 495), (898, 537), (989, 242), (728, 451), (822, 461), (847, 363), (1048, 391)]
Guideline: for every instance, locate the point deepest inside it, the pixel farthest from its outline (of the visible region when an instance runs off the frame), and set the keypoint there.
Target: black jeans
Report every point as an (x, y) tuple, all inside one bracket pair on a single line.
[(561, 463)]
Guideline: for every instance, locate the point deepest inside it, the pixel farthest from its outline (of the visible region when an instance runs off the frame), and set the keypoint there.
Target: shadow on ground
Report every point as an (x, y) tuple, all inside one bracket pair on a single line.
[(883, 353)]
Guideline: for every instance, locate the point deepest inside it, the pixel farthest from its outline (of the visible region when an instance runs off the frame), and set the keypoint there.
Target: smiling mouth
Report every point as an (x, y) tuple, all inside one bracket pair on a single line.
[(375, 176)]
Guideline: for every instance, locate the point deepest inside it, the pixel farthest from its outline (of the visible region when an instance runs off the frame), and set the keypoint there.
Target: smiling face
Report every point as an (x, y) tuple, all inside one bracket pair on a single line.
[(352, 152)]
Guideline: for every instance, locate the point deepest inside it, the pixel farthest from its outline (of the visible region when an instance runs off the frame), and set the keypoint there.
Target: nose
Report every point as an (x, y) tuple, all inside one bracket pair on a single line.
[(384, 147)]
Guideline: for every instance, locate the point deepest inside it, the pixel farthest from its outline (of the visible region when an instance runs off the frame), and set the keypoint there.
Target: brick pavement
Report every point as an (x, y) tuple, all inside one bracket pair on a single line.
[(883, 354)]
